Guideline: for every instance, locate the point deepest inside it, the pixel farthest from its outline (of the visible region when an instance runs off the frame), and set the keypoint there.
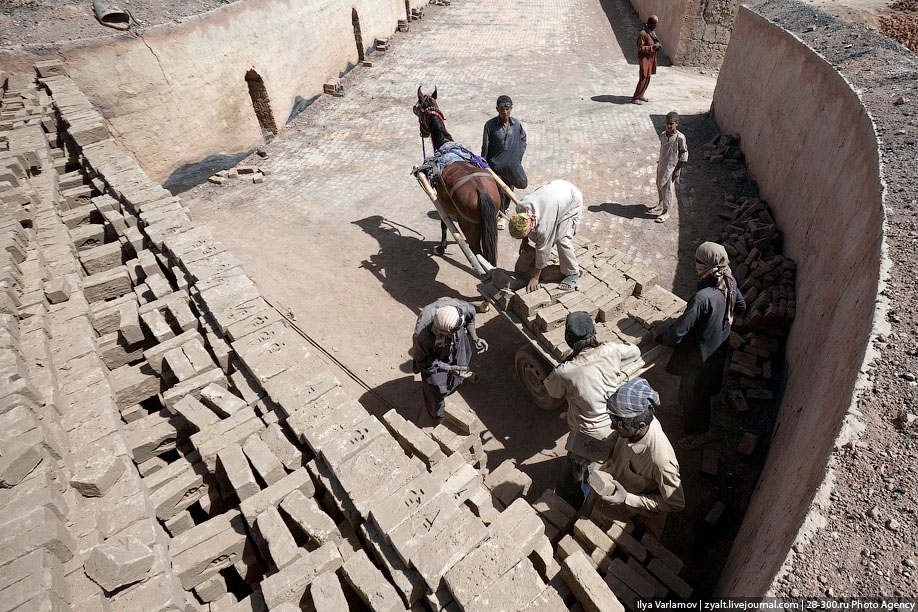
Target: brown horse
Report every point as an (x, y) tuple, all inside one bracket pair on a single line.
[(465, 190)]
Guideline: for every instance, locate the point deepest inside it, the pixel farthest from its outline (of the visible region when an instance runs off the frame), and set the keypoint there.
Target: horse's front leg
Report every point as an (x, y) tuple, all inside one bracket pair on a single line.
[(441, 248)]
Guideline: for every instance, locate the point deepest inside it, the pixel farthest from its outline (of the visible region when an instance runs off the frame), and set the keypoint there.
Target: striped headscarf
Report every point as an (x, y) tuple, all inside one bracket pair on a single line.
[(711, 260)]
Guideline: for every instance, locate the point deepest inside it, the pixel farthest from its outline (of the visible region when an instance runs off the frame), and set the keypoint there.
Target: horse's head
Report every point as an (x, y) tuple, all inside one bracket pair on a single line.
[(426, 106)]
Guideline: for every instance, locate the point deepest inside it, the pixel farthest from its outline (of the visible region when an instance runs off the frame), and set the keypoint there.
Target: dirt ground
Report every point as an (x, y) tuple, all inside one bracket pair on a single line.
[(358, 302)]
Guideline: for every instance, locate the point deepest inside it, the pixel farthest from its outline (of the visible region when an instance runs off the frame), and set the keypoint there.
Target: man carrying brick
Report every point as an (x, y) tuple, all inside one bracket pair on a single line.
[(442, 350), (643, 464), (549, 217), (586, 378)]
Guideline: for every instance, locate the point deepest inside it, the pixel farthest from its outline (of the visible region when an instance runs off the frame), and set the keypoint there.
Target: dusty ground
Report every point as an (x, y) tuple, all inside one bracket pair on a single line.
[(874, 499)]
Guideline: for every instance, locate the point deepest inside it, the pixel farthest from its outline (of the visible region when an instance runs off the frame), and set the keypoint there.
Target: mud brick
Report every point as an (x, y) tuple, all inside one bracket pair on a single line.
[(87, 236), (307, 416), (612, 309), (194, 413), (233, 430), (625, 542), (347, 442), (201, 552), (345, 416), (422, 525), (327, 594), (39, 564), (622, 285), (511, 537), (714, 514), (462, 483), (258, 321), (359, 475), (16, 462), (589, 588), (44, 589), (293, 378), (175, 494), (507, 483), (760, 394), (106, 285), (134, 384), (669, 578), (661, 553), (570, 300), (623, 592), (632, 332), (479, 500), (291, 583), (157, 325), (282, 447), (554, 510), (102, 257), (527, 304), (737, 401), (276, 493), (306, 514), (412, 438), (202, 268), (236, 471), (178, 366), (106, 316), (220, 400), (280, 546), (370, 584), (554, 341), (463, 419), (266, 465), (97, 476), (659, 589), (211, 590), (709, 460), (223, 294), (548, 600), (390, 512), (38, 528), (636, 580), (747, 444), (463, 533), (643, 312), (406, 580), (592, 536), (522, 583), (193, 386)]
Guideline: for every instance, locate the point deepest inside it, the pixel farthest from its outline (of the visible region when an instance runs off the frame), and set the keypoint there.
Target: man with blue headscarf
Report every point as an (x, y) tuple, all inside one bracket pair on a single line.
[(643, 463)]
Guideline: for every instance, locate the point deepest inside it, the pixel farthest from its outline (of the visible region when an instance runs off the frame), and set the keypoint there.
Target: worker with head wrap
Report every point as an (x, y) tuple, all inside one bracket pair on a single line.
[(643, 464), (442, 349), (586, 378), (699, 338)]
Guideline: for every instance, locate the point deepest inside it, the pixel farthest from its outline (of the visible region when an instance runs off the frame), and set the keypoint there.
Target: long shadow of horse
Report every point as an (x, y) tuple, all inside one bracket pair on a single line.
[(404, 264)]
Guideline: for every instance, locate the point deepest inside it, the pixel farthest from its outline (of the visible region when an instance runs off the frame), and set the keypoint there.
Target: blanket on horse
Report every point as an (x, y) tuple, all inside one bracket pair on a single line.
[(447, 154)]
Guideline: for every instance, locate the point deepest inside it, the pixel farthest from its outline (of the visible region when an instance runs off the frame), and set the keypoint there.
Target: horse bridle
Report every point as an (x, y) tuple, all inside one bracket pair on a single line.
[(424, 109)]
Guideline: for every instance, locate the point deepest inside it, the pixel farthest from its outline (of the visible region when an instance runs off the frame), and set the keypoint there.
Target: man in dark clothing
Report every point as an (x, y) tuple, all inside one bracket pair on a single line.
[(700, 336), (503, 145), (442, 349), (647, 46)]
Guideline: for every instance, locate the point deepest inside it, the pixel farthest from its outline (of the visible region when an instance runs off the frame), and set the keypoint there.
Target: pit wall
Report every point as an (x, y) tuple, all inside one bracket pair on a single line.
[(176, 94), (826, 190), (693, 32)]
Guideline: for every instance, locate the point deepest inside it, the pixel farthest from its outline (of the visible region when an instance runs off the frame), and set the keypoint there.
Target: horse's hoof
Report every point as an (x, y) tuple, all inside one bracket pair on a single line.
[(485, 306), (439, 250)]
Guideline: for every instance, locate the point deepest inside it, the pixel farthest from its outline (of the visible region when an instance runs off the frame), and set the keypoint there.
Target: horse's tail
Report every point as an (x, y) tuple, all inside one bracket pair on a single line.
[(488, 211)]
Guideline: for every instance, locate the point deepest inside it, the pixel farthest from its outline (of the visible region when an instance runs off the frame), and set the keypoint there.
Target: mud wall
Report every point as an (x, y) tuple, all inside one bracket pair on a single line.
[(693, 32), (176, 94), (826, 190)]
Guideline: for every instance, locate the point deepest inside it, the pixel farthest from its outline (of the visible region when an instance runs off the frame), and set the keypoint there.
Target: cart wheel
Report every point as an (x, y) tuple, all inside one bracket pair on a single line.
[(531, 368)]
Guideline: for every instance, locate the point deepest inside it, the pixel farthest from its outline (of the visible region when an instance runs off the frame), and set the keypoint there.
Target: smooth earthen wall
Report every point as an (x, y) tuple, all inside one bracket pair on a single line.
[(176, 94), (812, 148)]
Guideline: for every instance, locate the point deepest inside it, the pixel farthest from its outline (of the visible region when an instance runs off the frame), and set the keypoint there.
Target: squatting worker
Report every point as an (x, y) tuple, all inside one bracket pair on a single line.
[(586, 378), (503, 145), (549, 217), (700, 336), (647, 46), (442, 350), (643, 464)]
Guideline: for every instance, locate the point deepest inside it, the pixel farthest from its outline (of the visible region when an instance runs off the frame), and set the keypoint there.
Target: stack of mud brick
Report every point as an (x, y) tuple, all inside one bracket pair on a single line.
[(767, 281), (169, 442), (621, 295)]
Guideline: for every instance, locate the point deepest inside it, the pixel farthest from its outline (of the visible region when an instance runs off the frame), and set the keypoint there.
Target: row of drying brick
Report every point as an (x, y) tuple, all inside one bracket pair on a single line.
[(76, 525)]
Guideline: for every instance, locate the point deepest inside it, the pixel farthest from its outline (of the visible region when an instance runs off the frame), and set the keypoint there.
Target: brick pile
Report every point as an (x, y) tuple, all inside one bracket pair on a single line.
[(621, 295), (169, 442)]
